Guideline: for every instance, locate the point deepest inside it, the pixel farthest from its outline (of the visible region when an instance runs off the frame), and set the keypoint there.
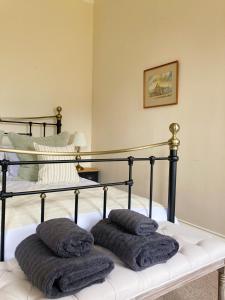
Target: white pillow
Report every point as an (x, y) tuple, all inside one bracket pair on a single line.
[(13, 170), (56, 173)]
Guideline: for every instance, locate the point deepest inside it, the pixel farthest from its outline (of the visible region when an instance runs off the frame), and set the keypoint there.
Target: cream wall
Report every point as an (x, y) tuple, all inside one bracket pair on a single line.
[(132, 35), (46, 60)]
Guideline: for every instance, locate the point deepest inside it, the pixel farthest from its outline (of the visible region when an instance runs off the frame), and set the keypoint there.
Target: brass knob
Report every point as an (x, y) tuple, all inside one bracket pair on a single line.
[(43, 196), (59, 116), (174, 142), (174, 128), (105, 188)]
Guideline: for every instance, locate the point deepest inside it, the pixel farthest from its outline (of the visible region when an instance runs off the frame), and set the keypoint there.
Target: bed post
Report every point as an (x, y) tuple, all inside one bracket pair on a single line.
[(4, 165), (221, 286), (59, 119), (173, 158)]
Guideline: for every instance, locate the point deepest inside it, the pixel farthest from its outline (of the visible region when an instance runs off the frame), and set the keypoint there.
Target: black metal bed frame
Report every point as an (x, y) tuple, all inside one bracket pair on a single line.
[(172, 159)]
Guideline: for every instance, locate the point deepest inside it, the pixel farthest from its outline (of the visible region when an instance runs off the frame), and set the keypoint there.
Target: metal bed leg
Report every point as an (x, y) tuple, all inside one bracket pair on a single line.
[(3, 231), (4, 164), (221, 284), (172, 185), (173, 159)]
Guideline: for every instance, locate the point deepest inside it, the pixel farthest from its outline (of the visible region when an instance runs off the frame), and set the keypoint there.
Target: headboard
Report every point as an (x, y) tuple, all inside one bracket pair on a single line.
[(32, 121)]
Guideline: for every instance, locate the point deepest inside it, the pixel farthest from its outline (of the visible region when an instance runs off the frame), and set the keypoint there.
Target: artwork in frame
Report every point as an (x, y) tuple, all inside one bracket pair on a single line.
[(161, 85)]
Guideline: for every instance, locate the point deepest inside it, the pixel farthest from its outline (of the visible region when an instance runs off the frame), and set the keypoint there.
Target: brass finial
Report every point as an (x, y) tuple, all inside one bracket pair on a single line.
[(105, 188), (59, 116), (174, 142), (76, 192), (43, 196)]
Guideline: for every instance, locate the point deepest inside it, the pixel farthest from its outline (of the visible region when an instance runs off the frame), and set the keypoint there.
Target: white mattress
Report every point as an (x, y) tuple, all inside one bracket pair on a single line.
[(23, 212)]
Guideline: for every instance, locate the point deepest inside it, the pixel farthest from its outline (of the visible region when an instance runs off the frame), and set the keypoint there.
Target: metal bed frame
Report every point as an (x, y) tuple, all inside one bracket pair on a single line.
[(172, 158)]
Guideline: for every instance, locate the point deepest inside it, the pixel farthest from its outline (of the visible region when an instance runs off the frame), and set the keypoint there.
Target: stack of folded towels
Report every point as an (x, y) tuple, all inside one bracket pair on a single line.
[(133, 238), (60, 258)]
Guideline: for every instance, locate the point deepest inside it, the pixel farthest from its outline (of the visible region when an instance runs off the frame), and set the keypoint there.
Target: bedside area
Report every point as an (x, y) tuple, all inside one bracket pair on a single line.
[(89, 173)]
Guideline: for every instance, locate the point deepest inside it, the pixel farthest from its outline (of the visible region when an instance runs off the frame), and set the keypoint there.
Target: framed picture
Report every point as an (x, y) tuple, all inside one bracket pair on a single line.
[(161, 85)]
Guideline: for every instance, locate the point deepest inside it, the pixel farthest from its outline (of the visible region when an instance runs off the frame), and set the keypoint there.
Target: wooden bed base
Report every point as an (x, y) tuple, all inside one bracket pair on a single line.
[(175, 284)]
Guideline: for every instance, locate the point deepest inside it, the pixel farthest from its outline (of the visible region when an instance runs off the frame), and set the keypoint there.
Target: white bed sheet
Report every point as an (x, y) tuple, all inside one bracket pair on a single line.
[(23, 212)]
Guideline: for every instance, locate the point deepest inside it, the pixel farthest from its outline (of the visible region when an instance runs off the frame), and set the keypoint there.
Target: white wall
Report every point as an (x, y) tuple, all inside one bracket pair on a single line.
[(46, 60), (132, 35)]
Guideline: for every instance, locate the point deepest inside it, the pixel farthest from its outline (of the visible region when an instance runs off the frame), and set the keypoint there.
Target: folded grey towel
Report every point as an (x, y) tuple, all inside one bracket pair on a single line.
[(138, 252), (56, 276), (65, 238), (133, 222)]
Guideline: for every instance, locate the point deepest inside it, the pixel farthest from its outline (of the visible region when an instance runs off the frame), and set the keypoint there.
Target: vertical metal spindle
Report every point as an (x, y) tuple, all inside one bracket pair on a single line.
[(43, 197), (44, 127), (4, 164), (30, 128), (105, 189), (76, 192), (130, 163), (152, 161)]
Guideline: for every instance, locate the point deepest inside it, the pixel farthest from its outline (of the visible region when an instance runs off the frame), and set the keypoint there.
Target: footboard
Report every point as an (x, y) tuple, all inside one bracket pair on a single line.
[(172, 159)]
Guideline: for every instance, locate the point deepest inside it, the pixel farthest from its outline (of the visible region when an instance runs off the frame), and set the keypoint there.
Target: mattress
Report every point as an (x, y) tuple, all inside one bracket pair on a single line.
[(23, 213)]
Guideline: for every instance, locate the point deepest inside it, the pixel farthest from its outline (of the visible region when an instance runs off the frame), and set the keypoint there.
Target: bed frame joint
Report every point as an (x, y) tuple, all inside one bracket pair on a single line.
[(129, 182), (173, 158), (130, 160), (4, 163), (152, 160)]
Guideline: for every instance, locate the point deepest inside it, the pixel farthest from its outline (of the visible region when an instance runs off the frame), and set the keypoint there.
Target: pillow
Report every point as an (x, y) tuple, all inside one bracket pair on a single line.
[(57, 173), (1, 138), (30, 172), (12, 170)]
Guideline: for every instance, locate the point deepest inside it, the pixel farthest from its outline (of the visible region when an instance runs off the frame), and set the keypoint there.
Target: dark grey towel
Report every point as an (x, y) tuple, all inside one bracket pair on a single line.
[(65, 238), (56, 276), (138, 252), (133, 222)]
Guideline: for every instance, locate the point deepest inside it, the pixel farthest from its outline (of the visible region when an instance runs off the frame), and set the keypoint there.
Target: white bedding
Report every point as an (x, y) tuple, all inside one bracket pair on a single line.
[(23, 212)]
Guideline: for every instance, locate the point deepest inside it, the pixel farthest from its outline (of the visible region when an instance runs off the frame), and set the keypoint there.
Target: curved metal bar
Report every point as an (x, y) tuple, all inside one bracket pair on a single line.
[(58, 115), (105, 152), (173, 143), (26, 118)]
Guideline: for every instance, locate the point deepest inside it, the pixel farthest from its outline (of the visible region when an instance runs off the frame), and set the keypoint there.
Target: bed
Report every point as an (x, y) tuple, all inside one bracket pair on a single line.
[(25, 204)]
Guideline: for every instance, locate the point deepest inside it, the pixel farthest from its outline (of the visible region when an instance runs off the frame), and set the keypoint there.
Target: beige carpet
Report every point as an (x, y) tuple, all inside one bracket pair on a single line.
[(201, 289)]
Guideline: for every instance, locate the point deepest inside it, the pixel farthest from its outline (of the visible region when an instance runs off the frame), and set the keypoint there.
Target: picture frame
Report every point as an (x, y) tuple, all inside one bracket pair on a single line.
[(161, 85)]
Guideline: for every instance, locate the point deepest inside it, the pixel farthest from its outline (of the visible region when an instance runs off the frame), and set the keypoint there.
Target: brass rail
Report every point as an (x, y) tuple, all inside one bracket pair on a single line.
[(58, 109), (173, 143), (20, 151), (26, 118)]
